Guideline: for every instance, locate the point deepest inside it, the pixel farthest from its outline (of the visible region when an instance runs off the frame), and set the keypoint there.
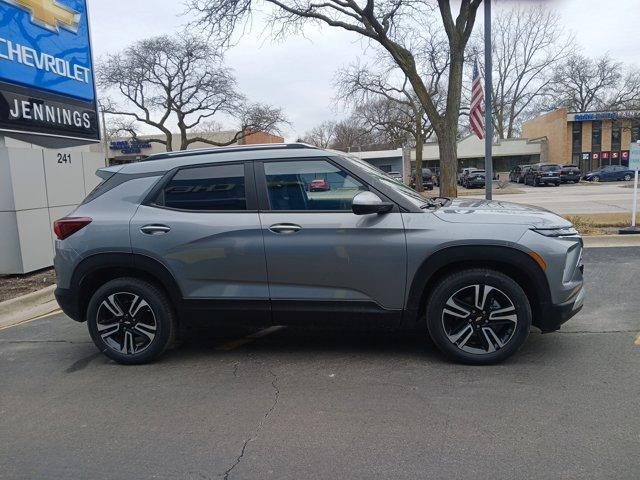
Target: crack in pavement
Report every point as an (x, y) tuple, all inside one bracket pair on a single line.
[(274, 384)]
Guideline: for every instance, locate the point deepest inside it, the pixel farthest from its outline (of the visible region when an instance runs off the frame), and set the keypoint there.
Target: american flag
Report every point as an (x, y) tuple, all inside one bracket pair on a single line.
[(476, 113)]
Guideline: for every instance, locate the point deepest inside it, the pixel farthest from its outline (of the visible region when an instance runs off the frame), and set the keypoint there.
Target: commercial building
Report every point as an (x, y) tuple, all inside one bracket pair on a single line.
[(589, 140), (126, 150), (506, 154)]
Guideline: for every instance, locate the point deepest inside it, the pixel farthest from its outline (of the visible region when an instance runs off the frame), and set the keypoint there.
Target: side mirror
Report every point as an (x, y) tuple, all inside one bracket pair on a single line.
[(367, 203)]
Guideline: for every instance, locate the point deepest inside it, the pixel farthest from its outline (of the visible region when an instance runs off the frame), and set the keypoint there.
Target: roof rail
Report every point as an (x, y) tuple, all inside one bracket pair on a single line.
[(230, 148)]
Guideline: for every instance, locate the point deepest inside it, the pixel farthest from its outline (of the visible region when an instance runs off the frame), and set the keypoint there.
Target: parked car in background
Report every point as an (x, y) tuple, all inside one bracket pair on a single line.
[(570, 173), (465, 172), (427, 179), (475, 179), (517, 173), (396, 176), (543, 174), (319, 185), (610, 173), (139, 260)]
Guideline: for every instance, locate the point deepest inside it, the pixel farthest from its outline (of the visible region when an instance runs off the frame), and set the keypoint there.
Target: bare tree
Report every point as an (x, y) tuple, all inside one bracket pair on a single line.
[(351, 135), (583, 84), (384, 99), (385, 107), (387, 24), (181, 80), (322, 135), (529, 44)]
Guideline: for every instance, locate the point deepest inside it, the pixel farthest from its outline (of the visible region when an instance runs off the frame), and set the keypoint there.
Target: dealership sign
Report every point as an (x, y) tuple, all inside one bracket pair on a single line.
[(46, 71), (594, 116)]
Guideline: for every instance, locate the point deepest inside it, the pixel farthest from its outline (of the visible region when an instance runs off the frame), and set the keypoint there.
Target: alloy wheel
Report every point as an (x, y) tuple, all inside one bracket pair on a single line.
[(479, 319), (126, 323)]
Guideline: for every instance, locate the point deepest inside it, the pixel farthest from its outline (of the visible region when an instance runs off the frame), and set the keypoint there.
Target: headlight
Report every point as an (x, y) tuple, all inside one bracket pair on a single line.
[(557, 232)]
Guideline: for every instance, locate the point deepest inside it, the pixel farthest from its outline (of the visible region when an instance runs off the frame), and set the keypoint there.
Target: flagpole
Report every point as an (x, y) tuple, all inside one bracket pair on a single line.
[(488, 87)]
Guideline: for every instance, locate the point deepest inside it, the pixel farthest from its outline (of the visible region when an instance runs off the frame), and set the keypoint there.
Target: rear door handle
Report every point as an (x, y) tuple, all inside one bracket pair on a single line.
[(285, 228), (155, 229)]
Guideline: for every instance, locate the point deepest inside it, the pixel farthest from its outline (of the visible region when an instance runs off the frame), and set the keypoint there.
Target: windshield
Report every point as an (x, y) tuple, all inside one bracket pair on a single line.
[(408, 193)]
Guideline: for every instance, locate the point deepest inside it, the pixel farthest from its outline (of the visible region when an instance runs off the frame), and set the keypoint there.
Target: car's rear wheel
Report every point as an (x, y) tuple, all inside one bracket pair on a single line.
[(478, 316), (131, 321), (627, 177)]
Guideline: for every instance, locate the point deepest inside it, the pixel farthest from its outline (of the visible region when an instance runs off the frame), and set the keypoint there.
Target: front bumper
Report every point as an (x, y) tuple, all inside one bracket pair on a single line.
[(559, 314)]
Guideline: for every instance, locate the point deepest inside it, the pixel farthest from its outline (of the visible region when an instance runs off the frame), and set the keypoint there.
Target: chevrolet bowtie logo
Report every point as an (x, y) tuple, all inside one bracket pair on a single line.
[(49, 14)]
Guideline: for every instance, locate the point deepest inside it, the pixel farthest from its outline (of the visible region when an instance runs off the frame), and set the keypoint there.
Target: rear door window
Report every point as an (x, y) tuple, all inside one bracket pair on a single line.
[(207, 188)]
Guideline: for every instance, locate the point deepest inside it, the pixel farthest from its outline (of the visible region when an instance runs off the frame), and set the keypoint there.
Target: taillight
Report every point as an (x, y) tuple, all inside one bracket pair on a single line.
[(65, 227)]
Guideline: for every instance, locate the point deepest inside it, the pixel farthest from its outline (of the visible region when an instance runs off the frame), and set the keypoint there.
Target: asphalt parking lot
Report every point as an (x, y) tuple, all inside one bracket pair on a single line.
[(576, 198), (292, 404)]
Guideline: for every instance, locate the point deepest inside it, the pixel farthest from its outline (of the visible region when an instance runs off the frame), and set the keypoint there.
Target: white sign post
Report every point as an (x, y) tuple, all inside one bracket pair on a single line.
[(634, 164)]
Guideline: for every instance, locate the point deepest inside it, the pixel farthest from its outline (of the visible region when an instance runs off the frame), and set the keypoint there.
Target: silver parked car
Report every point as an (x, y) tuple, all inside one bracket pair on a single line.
[(229, 234)]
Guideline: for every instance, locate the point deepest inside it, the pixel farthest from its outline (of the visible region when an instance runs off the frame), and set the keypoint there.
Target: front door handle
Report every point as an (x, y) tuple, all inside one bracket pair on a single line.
[(155, 229), (285, 228)]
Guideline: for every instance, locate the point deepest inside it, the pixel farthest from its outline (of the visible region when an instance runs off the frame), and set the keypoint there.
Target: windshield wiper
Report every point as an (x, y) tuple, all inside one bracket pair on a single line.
[(436, 202)]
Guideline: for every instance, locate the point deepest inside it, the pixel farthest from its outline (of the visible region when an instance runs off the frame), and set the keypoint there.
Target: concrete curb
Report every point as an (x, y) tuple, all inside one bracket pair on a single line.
[(32, 305), (601, 241)]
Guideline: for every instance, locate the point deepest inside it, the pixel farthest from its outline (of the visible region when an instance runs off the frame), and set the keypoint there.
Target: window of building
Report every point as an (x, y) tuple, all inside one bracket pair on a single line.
[(310, 185), (576, 136), (635, 131), (616, 135), (596, 136), (219, 187)]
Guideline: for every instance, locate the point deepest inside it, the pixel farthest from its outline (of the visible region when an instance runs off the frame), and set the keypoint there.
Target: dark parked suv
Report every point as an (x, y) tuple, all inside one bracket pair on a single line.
[(229, 234), (427, 179), (543, 174)]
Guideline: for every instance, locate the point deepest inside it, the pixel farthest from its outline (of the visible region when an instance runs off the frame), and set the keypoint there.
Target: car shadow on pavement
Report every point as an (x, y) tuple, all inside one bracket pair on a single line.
[(296, 342)]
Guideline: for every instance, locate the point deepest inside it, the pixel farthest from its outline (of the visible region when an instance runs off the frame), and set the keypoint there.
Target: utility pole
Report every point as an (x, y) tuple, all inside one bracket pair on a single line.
[(105, 147), (488, 86)]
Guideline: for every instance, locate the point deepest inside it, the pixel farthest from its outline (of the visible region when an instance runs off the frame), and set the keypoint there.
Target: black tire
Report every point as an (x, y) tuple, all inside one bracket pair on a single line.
[(505, 289), (536, 183), (595, 179), (157, 317), (627, 177)]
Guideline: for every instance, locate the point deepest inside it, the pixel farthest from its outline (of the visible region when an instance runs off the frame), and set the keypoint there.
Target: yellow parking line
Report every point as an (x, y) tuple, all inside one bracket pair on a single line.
[(232, 345), (637, 342), (46, 315)]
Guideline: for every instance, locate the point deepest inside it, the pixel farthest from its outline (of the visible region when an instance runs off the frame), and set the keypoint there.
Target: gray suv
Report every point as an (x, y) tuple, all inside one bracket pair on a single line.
[(239, 234)]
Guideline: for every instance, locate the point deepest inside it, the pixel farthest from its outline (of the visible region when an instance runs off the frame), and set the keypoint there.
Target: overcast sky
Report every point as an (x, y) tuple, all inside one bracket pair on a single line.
[(297, 73)]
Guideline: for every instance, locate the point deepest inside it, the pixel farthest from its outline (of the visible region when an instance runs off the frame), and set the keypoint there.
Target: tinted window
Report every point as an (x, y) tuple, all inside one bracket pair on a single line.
[(616, 135), (550, 168), (219, 187), (310, 185)]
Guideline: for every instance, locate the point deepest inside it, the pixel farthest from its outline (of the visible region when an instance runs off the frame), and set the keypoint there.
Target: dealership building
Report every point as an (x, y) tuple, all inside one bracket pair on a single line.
[(127, 150), (589, 140)]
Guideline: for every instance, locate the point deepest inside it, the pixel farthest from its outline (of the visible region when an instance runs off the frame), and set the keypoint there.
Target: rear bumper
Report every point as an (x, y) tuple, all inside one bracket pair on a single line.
[(561, 313), (548, 179), (69, 303)]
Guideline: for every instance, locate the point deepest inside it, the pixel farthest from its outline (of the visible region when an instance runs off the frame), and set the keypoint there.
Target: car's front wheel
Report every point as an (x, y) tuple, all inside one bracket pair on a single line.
[(478, 316), (131, 321)]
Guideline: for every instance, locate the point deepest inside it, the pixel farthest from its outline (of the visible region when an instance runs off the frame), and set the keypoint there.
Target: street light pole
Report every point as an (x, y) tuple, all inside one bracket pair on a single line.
[(105, 146), (488, 86)]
